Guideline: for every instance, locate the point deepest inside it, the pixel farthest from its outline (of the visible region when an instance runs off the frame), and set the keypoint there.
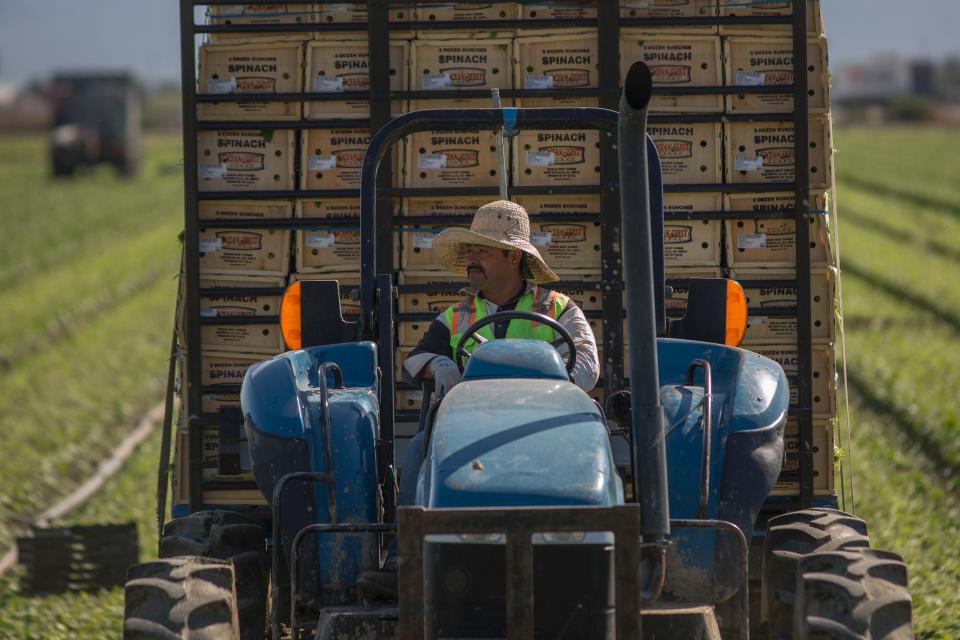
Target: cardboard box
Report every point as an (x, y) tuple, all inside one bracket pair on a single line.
[(566, 246), (451, 159), (467, 11), (461, 64), (349, 282), (333, 247), (260, 14), (768, 242), (447, 289), (689, 153), (241, 303), (823, 466), (416, 247), (691, 243), (240, 160), (764, 152), (244, 251), (356, 13), (225, 367), (677, 277), (211, 452), (432, 302), (768, 8), (676, 61), (329, 249), (409, 400), (768, 62), (568, 61), (213, 402), (261, 338), (764, 329), (587, 298), (466, 206), (333, 158), (558, 10), (670, 9), (549, 158), (337, 66), (251, 68), (824, 373)]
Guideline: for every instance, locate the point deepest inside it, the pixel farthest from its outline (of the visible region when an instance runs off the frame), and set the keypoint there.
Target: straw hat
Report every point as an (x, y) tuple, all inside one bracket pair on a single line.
[(502, 224)]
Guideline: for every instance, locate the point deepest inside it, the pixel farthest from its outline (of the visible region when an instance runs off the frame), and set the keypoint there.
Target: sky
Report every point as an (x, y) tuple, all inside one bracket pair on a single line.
[(37, 36)]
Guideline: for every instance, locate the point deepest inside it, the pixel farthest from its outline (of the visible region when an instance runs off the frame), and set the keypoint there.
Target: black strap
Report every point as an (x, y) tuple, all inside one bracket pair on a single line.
[(163, 470)]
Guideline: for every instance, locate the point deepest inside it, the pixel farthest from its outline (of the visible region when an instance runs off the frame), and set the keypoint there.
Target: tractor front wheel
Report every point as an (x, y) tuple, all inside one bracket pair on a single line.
[(789, 537), (180, 598), (861, 593), (227, 535)]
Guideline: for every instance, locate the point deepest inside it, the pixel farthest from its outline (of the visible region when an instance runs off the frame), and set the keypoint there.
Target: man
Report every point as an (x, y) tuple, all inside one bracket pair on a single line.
[(504, 271)]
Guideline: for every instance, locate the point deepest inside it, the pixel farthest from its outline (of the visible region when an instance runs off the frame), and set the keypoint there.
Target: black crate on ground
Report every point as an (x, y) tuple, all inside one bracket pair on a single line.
[(77, 558)]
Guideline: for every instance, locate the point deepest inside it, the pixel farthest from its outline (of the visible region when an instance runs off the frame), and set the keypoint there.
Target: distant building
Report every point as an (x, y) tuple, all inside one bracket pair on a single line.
[(924, 79), (874, 81), (22, 110)]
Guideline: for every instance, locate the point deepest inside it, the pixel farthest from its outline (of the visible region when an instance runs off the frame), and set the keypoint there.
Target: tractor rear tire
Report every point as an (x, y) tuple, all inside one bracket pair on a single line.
[(180, 599), (227, 535), (860, 593), (790, 537)]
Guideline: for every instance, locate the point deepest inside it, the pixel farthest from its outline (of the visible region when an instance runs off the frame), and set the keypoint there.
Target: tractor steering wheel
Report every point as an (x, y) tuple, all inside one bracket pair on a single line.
[(460, 352)]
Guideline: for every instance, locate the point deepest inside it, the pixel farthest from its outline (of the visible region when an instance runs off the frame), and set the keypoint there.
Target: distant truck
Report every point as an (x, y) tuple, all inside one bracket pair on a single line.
[(96, 118)]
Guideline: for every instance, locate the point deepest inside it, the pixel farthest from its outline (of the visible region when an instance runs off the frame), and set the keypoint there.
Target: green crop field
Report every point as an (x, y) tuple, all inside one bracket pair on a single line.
[(88, 267), (88, 272)]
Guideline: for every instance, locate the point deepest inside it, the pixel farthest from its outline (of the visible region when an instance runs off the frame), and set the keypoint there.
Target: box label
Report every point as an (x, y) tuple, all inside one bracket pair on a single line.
[(210, 245), (437, 81), (321, 240), (321, 163), (751, 78), (536, 158), (538, 82), (212, 170), (748, 163), (432, 161), (222, 85), (324, 84), (541, 238), (423, 240), (752, 241)]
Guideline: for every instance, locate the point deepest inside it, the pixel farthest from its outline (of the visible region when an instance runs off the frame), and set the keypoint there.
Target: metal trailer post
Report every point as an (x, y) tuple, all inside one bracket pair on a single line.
[(804, 410), (191, 244)]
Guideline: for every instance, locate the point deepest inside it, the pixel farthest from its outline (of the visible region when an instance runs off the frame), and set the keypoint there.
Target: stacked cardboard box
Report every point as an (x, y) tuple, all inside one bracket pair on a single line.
[(237, 264), (761, 248), (758, 246)]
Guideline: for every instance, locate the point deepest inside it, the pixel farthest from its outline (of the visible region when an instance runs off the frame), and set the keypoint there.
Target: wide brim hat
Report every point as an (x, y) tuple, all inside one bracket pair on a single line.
[(501, 224)]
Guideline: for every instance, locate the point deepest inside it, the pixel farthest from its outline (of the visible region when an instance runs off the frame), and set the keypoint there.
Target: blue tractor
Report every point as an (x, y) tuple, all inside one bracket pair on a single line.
[(540, 513)]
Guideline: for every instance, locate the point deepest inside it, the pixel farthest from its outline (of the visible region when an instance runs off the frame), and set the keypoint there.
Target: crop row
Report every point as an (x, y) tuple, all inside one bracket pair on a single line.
[(899, 229)]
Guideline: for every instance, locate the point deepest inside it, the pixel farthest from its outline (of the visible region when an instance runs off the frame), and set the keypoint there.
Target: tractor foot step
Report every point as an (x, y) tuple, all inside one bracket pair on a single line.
[(692, 622)]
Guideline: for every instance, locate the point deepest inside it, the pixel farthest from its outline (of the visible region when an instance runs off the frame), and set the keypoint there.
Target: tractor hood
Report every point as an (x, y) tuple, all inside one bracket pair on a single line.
[(518, 442)]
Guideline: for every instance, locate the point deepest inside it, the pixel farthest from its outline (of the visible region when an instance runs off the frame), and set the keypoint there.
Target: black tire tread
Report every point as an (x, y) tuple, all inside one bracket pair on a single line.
[(227, 535), (789, 537), (858, 593), (181, 598)]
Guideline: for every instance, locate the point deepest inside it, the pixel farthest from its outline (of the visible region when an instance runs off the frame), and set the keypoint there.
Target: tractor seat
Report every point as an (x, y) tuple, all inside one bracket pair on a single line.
[(511, 358)]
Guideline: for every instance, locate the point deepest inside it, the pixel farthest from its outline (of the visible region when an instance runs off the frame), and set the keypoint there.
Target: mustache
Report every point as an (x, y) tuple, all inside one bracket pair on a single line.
[(473, 266)]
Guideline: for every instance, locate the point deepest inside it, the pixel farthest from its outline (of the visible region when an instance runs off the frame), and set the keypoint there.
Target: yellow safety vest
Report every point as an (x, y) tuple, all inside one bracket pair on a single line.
[(458, 317)]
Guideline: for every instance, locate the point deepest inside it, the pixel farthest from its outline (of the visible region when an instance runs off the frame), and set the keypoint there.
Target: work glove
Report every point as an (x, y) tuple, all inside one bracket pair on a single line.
[(445, 375)]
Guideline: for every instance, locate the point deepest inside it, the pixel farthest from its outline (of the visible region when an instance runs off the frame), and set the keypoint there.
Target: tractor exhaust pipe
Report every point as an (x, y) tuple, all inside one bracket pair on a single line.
[(646, 428)]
